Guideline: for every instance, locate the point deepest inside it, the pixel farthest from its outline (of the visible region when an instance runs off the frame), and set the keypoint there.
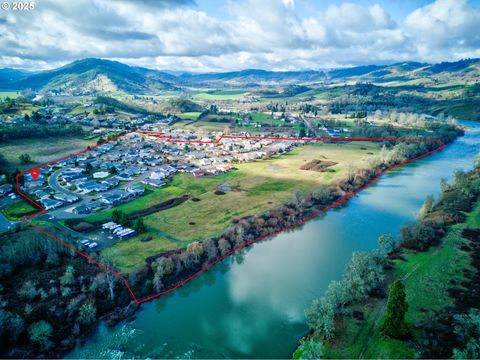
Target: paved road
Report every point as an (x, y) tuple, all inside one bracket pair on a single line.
[(53, 183)]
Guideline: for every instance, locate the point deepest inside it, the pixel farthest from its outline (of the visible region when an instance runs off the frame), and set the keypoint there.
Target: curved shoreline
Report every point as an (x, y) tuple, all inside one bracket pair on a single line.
[(338, 201)]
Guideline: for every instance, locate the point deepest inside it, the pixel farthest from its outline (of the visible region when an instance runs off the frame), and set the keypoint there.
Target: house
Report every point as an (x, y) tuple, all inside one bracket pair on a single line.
[(112, 182), (136, 190), (50, 204), (93, 185), (154, 182), (115, 197), (198, 173), (100, 175), (66, 198), (73, 175), (82, 209), (96, 206), (40, 193)]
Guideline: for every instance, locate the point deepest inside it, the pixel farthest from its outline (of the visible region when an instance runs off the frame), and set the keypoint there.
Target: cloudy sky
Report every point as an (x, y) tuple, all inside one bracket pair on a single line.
[(216, 35)]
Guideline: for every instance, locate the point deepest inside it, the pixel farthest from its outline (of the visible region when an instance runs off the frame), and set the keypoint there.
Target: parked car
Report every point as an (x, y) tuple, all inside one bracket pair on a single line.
[(93, 245)]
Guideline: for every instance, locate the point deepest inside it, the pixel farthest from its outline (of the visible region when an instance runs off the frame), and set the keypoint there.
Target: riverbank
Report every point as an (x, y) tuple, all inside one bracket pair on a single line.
[(165, 272), (73, 305), (251, 304), (441, 282)]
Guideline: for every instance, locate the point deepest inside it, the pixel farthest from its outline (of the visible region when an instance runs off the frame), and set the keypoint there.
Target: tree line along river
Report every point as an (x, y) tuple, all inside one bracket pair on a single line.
[(251, 305)]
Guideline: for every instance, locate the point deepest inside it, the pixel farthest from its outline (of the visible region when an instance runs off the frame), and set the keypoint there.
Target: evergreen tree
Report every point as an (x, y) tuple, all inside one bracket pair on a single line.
[(139, 226), (394, 324), (125, 220), (302, 133), (116, 216), (25, 158)]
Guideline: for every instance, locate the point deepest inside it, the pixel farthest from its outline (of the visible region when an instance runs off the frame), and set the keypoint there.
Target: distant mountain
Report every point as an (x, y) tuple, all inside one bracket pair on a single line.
[(408, 71), (96, 76), (8, 75), (254, 76), (93, 76)]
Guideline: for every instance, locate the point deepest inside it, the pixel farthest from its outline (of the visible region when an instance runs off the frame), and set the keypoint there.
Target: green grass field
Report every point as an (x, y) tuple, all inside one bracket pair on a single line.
[(128, 254), (189, 115), (266, 119), (41, 150), (10, 94), (427, 277), (258, 185), (201, 126), (18, 209), (220, 95), (154, 197)]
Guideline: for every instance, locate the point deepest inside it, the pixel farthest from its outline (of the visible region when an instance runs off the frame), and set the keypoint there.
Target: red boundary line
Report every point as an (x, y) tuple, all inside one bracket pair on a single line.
[(170, 139)]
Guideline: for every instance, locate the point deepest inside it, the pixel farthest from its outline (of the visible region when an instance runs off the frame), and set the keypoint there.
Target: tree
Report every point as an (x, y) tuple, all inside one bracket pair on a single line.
[(467, 328), (163, 267), (139, 226), (321, 317), (88, 168), (387, 243), (113, 170), (40, 332), (87, 313), (224, 246), (302, 133), (69, 277), (311, 349), (125, 220), (394, 323), (15, 327), (28, 290), (417, 236), (116, 216), (364, 273), (26, 117), (25, 158), (210, 249), (427, 207), (36, 117)]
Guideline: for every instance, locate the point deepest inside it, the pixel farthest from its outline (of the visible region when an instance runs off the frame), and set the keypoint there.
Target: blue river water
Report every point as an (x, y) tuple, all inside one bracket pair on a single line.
[(251, 305)]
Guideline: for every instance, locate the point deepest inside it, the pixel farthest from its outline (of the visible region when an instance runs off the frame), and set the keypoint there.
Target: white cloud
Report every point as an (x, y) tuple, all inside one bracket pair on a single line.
[(267, 34), (445, 28)]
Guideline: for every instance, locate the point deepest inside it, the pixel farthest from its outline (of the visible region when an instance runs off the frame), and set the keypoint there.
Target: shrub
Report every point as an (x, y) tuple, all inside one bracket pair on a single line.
[(417, 236)]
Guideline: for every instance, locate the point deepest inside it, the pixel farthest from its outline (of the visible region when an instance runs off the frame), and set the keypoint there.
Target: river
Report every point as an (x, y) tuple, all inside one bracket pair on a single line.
[(252, 304)]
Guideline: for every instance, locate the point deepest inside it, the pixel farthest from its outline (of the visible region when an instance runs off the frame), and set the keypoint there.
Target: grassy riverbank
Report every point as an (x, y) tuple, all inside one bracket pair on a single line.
[(427, 277), (439, 275)]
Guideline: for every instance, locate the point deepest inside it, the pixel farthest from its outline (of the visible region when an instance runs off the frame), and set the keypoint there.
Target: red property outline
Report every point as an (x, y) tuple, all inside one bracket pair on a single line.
[(170, 139)]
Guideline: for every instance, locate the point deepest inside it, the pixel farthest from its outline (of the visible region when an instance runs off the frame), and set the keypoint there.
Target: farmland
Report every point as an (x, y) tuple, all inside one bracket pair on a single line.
[(41, 150)]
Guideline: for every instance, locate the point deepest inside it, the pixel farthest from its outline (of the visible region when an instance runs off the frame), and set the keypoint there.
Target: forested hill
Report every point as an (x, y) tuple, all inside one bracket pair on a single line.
[(96, 75)]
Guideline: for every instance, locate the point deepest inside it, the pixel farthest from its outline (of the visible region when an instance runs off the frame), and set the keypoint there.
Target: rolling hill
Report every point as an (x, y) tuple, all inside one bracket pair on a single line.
[(94, 76)]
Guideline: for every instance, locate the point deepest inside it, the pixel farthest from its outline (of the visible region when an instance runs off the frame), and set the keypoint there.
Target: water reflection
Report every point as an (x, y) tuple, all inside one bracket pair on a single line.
[(251, 305)]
